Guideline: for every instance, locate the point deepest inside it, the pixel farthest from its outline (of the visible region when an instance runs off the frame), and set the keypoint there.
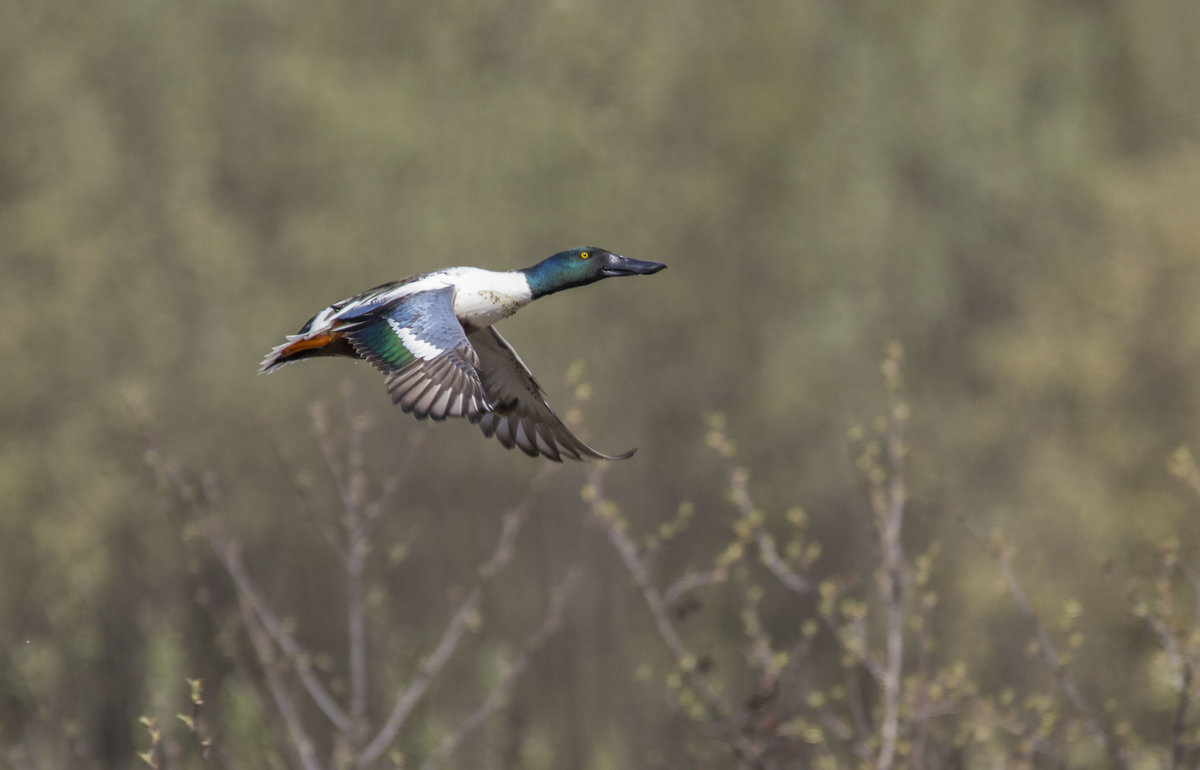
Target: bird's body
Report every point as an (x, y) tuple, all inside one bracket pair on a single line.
[(481, 297), (432, 337)]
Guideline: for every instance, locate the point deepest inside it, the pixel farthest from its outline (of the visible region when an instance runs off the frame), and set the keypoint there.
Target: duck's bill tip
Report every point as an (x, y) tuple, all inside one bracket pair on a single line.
[(625, 266)]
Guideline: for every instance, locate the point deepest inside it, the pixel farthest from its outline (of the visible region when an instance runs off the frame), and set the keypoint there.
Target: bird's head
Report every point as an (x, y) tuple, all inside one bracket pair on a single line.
[(576, 267)]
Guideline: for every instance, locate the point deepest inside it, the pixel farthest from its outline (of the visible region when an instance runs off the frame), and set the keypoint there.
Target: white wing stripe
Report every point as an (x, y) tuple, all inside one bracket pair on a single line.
[(417, 346)]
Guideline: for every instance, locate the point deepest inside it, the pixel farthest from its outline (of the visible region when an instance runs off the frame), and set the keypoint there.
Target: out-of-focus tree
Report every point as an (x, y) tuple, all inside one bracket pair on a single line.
[(1006, 189)]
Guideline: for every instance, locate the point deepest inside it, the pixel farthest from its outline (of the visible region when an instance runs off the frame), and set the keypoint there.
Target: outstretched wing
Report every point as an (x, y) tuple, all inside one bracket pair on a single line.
[(519, 415), (421, 348)]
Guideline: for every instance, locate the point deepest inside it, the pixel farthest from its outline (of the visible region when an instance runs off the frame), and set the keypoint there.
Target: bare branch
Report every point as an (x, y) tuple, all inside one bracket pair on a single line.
[(343, 473), (229, 554), (858, 710), (614, 529), (769, 554), (1178, 748), (495, 698), (273, 644), (1061, 676), (922, 708), (393, 483), (356, 628), (407, 699), (299, 740), (356, 548), (304, 497), (690, 581), (1161, 616), (857, 628), (204, 504), (641, 577), (890, 518)]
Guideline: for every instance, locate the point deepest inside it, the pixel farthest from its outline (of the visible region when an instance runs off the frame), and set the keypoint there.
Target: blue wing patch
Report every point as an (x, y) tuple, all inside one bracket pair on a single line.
[(419, 344)]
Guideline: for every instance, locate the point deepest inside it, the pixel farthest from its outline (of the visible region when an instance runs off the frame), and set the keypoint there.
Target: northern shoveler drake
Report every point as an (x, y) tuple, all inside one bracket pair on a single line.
[(432, 337)]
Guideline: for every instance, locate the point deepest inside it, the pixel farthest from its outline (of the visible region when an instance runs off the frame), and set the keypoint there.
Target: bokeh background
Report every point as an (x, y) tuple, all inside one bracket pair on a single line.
[(1010, 190)]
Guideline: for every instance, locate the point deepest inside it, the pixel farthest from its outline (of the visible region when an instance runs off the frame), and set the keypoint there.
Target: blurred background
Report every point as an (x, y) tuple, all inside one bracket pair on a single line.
[(1009, 190)]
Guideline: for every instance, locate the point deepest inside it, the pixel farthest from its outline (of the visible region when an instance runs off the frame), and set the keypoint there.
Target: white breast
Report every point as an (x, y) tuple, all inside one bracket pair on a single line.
[(483, 297)]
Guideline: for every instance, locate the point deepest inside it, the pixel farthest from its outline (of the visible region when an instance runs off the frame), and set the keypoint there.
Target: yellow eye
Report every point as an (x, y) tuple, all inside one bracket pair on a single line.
[(584, 255)]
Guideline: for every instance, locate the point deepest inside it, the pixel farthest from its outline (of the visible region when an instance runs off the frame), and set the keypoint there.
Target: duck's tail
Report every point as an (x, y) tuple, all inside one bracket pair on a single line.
[(301, 346)]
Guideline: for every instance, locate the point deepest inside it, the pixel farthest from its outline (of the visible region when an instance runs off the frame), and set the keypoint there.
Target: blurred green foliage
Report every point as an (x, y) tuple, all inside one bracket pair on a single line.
[(1009, 189)]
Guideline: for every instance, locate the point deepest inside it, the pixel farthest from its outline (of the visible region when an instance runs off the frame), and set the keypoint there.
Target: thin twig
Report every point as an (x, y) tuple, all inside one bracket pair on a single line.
[(1046, 646), (890, 518), (1180, 722), (1161, 619), (298, 738), (857, 627), (769, 554), (229, 554), (739, 491), (356, 629), (690, 581), (269, 636), (393, 483), (922, 707), (342, 475), (637, 569), (304, 497), (495, 698), (407, 699), (204, 504), (356, 548), (858, 711), (636, 566)]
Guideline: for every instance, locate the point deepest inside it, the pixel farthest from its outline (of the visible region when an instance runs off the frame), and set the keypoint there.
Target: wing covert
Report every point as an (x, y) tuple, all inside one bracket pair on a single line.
[(421, 348)]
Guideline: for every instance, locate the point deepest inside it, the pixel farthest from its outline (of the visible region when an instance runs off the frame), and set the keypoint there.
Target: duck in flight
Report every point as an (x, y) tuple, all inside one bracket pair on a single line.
[(432, 337)]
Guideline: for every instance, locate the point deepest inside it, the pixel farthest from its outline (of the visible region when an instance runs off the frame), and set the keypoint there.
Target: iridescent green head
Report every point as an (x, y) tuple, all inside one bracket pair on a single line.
[(576, 267)]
